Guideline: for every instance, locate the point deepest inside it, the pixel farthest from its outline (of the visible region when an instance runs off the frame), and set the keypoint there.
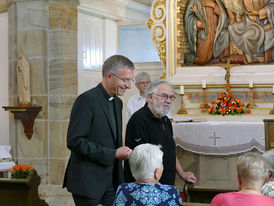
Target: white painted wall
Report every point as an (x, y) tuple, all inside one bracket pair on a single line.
[(111, 37), (4, 73), (88, 79), (111, 13)]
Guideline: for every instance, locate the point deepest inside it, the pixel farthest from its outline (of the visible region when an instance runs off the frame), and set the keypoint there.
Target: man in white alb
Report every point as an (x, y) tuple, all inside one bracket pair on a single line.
[(142, 80)]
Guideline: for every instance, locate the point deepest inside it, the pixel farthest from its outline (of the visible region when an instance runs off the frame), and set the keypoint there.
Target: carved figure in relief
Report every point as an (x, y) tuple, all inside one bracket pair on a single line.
[(206, 23), (252, 34), (23, 80), (234, 7), (235, 10)]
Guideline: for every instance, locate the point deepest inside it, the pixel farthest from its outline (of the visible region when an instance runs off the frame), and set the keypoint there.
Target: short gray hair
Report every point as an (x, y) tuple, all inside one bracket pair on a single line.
[(115, 63), (253, 169), (153, 87), (144, 159), (140, 76), (269, 156)]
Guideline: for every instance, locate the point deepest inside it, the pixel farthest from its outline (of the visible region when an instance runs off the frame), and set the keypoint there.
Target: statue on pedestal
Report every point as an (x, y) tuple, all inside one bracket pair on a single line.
[(23, 80)]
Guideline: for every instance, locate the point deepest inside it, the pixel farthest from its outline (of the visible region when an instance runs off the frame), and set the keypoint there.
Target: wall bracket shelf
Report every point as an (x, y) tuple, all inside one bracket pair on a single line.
[(27, 115)]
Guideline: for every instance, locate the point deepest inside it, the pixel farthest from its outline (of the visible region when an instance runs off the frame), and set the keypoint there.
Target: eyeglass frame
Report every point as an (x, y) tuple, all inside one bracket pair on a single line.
[(126, 81), (143, 83), (165, 96)]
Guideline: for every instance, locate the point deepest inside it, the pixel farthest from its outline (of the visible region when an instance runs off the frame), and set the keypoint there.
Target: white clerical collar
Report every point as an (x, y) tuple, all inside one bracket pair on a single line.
[(111, 98)]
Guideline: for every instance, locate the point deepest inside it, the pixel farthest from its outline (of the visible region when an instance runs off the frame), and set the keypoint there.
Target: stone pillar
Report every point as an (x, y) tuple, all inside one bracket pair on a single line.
[(46, 32), (62, 81)]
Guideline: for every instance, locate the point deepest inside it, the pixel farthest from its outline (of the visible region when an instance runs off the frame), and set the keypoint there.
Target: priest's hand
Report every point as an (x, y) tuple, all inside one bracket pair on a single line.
[(122, 153)]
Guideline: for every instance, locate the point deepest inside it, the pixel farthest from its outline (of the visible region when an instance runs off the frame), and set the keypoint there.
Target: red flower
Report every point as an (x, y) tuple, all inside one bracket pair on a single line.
[(21, 171), (223, 111), (225, 104)]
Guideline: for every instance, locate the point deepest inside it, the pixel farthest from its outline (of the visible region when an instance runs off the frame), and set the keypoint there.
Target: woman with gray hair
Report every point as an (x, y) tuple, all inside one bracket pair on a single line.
[(146, 164), (252, 171), (268, 188)]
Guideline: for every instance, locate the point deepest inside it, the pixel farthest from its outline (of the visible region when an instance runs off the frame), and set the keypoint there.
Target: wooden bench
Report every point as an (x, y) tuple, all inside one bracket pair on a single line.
[(21, 192), (199, 195)]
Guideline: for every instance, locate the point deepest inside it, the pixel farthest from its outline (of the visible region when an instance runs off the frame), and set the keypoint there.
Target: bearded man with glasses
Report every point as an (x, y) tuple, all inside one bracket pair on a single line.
[(151, 125)]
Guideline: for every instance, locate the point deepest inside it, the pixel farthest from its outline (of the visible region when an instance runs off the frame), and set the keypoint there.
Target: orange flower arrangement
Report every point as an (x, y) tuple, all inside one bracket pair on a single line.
[(21, 171), (225, 104)]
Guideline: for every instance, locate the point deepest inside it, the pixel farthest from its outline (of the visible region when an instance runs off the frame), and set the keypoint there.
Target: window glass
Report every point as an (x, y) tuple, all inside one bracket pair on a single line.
[(135, 42)]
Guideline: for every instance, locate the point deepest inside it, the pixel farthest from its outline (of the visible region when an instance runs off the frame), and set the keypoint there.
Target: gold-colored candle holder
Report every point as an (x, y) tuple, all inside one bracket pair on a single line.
[(182, 110), (251, 103), (204, 104)]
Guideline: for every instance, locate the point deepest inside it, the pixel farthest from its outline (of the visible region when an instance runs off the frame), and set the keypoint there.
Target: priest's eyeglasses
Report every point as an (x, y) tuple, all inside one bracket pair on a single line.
[(126, 81), (165, 97)]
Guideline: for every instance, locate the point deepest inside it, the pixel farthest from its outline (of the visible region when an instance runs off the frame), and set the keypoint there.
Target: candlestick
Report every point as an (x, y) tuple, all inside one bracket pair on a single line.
[(204, 104), (272, 111), (251, 103), (182, 90), (203, 83), (250, 83), (182, 110)]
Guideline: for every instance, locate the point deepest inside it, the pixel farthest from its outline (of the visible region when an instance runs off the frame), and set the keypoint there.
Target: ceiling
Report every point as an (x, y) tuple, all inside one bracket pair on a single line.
[(3, 4)]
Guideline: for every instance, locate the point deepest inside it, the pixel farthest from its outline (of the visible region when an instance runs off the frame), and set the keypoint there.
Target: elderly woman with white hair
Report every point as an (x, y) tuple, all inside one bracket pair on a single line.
[(146, 164), (252, 171), (268, 188)]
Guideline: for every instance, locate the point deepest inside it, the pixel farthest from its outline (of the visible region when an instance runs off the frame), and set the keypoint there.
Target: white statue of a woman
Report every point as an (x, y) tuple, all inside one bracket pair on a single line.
[(23, 80)]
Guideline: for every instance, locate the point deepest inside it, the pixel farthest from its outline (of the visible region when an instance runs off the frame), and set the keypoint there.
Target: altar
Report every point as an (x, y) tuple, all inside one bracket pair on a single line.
[(210, 149), (219, 138)]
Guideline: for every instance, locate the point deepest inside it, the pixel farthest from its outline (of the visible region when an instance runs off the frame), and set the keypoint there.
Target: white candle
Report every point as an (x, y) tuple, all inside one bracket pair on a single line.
[(203, 83), (250, 83), (273, 89), (182, 90)]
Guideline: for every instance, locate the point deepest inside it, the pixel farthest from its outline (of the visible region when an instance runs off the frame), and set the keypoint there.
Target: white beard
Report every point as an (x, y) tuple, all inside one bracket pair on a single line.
[(160, 110)]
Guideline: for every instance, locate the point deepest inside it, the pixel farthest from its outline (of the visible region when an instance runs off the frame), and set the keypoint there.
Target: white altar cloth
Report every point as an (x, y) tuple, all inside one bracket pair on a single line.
[(219, 138)]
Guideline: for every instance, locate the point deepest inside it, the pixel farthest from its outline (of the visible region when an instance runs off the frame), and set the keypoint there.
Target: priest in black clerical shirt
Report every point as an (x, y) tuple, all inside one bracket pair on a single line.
[(95, 137)]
